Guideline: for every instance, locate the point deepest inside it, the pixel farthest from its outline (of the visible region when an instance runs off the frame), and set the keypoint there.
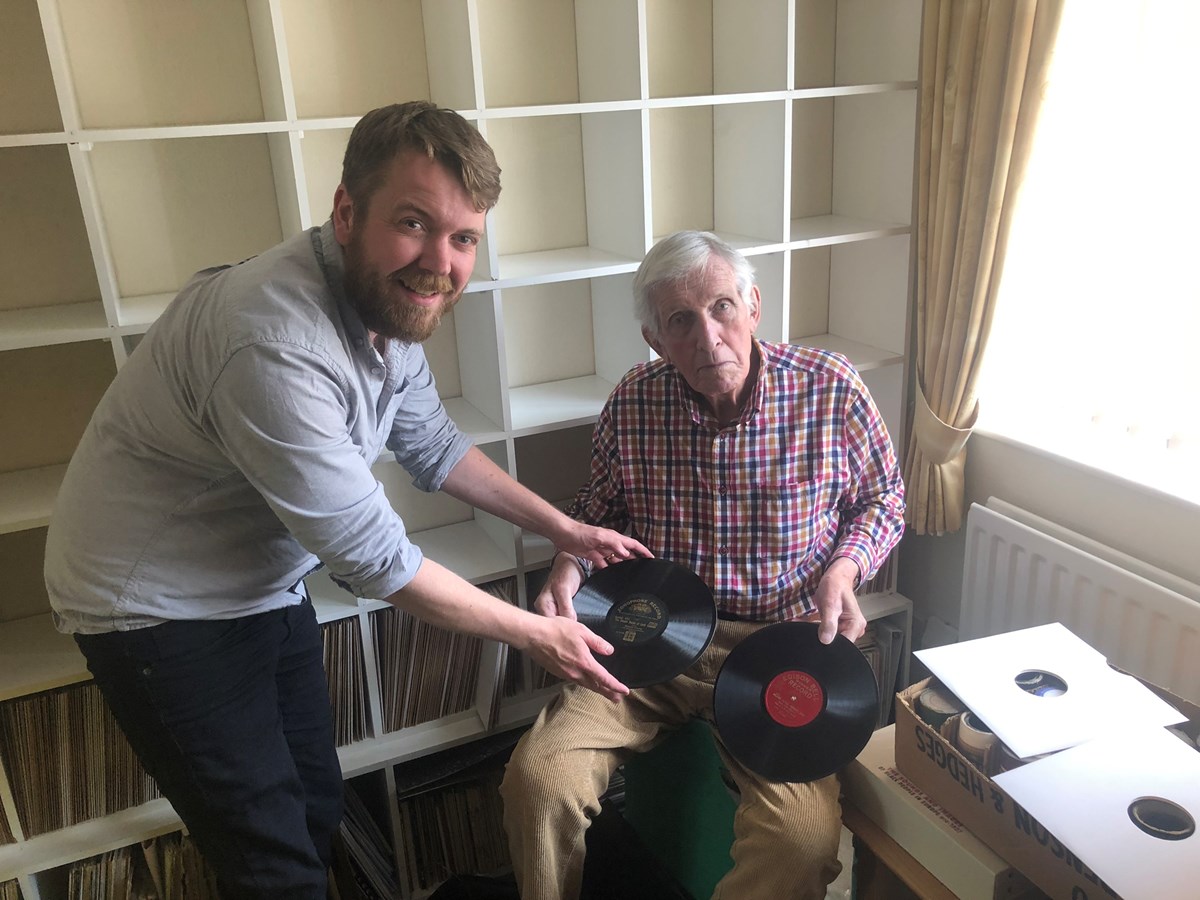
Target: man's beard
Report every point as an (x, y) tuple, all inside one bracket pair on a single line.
[(380, 303)]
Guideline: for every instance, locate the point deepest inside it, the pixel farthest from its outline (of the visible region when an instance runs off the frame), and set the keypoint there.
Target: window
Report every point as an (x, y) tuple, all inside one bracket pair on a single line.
[(1095, 347)]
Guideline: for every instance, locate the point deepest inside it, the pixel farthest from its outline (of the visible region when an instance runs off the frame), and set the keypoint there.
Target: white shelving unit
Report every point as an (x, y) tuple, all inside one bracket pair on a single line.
[(145, 140)]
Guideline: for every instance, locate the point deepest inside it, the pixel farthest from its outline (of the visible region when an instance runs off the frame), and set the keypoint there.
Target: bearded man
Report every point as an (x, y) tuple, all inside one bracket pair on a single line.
[(231, 457)]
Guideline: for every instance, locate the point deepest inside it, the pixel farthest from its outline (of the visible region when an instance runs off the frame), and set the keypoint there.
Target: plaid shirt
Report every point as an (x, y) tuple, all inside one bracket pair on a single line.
[(758, 508)]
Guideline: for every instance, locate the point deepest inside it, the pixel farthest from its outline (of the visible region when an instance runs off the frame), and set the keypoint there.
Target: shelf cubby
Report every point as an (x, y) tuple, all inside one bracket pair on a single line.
[(873, 146), (830, 290), (24, 60), (21, 554), (704, 47), (66, 378), (475, 544), (845, 151), (464, 357), (391, 57), (145, 64), (719, 168), (543, 52), (573, 194), (875, 43), (886, 386), (554, 465), (168, 205), (322, 151), (36, 656), (564, 379), (855, 42), (48, 287)]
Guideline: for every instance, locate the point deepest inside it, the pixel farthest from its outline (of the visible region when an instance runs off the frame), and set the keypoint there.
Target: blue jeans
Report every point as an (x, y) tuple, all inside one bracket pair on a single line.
[(231, 717)]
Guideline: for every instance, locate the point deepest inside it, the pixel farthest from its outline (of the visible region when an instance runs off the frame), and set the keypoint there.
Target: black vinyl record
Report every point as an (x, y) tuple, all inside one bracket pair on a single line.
[(658, 615), (791, 708)]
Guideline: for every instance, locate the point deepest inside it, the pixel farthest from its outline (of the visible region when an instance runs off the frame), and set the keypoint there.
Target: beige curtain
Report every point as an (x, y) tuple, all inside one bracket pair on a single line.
[(983, 71)]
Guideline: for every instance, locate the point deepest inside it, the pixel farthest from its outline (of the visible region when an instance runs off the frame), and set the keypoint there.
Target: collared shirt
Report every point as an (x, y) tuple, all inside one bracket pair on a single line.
[(232, 453), (760, 507)]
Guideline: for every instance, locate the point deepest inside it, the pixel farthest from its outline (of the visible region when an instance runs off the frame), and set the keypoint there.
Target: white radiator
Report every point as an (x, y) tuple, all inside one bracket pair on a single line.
[(1020, 571)]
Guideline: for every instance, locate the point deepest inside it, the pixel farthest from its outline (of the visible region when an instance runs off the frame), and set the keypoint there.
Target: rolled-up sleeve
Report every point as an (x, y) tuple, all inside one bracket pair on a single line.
[(423, 437), (280, 412)]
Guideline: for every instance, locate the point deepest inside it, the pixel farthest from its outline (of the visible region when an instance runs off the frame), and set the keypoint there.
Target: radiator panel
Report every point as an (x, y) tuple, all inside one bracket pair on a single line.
[(1016, 576)]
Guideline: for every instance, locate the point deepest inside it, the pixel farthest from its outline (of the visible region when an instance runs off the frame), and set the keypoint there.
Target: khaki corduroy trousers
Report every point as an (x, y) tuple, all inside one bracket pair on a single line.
[(785, 835)]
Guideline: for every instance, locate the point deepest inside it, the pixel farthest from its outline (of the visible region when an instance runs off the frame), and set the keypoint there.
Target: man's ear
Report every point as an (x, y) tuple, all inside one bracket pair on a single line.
[(343, 215), (652, 341), (755, 305)]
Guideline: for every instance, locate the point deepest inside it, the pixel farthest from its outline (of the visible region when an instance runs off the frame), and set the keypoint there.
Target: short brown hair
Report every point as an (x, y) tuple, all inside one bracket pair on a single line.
[(441, 134)]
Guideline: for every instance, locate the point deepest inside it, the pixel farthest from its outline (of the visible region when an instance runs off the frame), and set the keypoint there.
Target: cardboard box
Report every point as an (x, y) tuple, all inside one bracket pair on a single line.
[(933, 837), (931, 761)]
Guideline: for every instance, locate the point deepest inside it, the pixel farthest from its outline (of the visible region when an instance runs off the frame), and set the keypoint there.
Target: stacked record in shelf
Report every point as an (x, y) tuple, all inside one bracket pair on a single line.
[(6, 835), (177, 869), (347, 680), (512, 662), (67, 760), (162, 868), (10, 890), (107, 875), (882, 578), (450, 811), (453, 830), (425, 672), (883, 646), (364, 867)]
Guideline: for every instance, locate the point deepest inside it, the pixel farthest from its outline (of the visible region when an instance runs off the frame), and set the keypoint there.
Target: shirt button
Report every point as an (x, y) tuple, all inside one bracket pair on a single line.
[(723, 550), (376, 370), (358, 342), (723, 490)]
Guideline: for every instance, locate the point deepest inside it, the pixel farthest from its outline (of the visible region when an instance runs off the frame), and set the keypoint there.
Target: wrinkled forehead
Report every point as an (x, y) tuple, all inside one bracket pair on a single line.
[(698, 288)]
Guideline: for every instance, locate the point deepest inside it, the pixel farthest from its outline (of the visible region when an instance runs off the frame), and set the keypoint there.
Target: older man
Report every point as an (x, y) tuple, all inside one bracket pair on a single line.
[(764, 467)]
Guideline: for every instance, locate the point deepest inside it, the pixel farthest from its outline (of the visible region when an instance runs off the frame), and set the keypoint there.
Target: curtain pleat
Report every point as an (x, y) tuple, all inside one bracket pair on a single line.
[(984, 66)]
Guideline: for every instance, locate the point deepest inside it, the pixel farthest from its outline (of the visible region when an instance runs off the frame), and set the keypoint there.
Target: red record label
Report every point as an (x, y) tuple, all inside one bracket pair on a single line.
[(794, 698)]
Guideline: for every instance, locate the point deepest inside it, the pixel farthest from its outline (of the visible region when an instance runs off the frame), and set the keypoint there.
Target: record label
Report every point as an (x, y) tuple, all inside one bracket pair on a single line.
[(794, 698), (791, 708), (638, 619), (658, 615)]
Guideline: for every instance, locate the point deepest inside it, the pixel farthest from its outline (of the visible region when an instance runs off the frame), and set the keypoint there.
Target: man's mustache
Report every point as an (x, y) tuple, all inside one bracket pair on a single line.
[(424, 282)]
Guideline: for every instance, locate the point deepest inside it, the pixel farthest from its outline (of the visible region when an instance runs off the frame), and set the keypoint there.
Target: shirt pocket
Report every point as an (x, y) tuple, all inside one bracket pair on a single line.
[(791, 522)]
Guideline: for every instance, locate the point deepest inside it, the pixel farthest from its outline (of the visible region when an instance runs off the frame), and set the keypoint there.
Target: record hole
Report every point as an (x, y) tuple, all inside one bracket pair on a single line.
[(1162, 819), (1040, 683)]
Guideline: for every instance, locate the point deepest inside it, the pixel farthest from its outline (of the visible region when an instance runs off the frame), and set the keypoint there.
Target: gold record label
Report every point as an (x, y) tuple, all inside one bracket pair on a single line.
[(636, 619)]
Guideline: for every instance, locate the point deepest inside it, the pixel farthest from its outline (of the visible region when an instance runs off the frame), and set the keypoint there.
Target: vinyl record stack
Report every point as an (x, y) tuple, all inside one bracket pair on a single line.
[(69, 762), (343, 657)]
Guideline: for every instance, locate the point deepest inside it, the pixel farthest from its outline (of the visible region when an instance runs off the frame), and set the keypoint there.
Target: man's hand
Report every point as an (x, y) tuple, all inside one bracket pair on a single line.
[(563, 583), (836, 604), (564, 647), (600, 546)]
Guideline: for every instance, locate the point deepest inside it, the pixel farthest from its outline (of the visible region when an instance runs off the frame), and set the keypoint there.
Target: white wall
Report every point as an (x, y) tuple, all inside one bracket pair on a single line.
[(1160, 529)]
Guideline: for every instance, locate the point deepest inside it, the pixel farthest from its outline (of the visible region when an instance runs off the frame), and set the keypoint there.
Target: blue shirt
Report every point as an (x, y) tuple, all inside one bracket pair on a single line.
[(232, 454)]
